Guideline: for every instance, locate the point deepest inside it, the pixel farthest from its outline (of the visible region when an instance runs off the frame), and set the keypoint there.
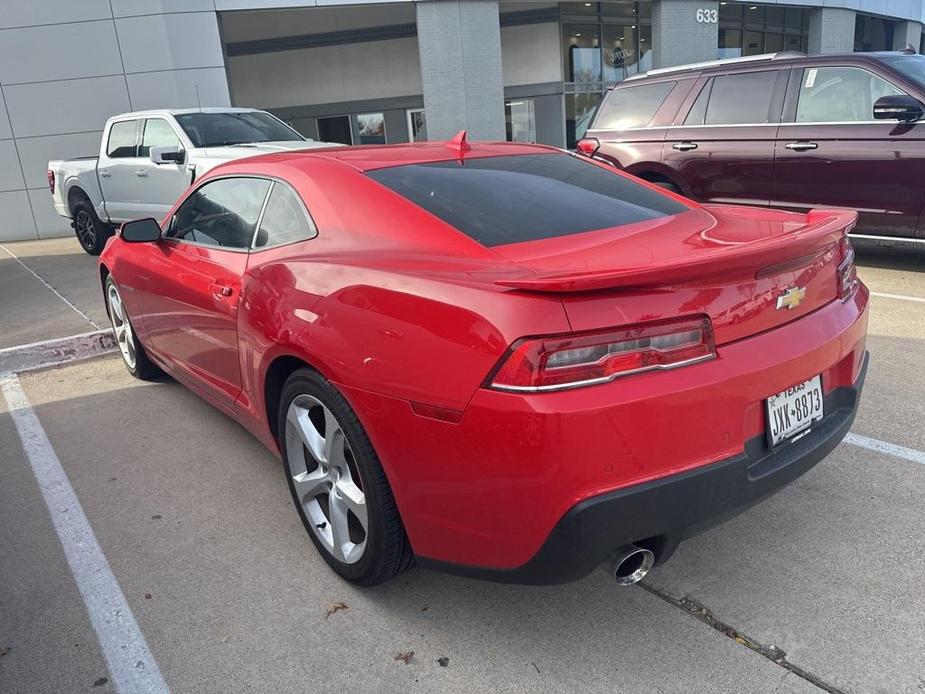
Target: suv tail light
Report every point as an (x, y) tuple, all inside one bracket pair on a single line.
[(588, 146), (847, 272), (51, 181), (569, 361)]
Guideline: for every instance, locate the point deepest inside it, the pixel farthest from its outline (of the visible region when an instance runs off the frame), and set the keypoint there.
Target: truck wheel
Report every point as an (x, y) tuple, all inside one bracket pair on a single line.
[(91, 232)]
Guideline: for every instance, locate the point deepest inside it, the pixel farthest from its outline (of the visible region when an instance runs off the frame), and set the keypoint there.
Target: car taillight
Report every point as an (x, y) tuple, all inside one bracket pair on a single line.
[(588, 146), (569, 361), (51, 181), (847, 273)]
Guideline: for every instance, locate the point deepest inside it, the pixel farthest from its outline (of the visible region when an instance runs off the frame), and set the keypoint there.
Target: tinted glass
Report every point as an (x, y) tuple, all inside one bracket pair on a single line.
[(699, 110), (158, 133), (744, 98), (632, 107), (912, 66), (335, 129), (218, 129), (122, 139), (840, 94), (221, 213), (501, 200), (284, 219)]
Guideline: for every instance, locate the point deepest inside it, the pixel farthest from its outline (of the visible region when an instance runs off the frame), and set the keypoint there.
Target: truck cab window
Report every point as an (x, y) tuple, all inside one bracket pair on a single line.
[(157, 133), (123, 140)]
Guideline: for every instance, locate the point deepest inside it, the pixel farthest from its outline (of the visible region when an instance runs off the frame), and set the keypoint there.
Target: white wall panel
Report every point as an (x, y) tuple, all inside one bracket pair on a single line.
[(131, 8), (48, 222), (34, 152), (17, 217), (170, 41), (62, 51), (51, 108), (5, 130), (327, 74), (31, 12), (10, 171), (530, 54), (177, 88)]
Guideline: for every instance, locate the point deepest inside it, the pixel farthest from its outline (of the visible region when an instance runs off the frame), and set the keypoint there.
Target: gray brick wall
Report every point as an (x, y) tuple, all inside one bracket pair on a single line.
[(677, 36), (831, 30), (460, 47)]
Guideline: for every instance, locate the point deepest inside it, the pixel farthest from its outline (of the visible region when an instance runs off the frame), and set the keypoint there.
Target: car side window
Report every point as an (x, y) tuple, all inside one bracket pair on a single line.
[(157, 133), (742, 99), (699, 110), (284, 219), (840, 94), (222, 213), (632, 107), (123, 140)]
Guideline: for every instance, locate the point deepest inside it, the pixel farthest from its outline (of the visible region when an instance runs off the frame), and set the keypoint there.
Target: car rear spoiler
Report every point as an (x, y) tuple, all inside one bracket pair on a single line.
[(823, 229)]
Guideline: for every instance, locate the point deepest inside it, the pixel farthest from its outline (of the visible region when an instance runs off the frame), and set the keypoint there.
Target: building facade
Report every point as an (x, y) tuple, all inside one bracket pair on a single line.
[(371, 72)]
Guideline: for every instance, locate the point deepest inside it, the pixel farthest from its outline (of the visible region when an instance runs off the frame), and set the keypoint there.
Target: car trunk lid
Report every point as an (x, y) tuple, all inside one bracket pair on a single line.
[(748, 270)]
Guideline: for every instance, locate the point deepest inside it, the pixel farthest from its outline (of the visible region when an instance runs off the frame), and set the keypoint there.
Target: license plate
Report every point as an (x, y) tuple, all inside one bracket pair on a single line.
[(794, 410)]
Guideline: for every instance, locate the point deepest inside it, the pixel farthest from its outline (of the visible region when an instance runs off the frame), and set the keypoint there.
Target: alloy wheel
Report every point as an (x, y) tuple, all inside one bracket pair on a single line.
[(121, 327), (86, 230), (326, 479)]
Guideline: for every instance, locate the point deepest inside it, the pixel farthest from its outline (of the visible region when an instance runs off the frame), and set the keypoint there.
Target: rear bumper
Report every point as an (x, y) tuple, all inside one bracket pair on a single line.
[(663, 512)]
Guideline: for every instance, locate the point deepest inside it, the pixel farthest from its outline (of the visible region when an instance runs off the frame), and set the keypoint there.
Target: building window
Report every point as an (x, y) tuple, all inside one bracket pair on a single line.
[(579, 112), (602, 44), (417, 125), (357, 129), (521, 124), (335, 129), (369, 129), (872, 33), (755, 29)]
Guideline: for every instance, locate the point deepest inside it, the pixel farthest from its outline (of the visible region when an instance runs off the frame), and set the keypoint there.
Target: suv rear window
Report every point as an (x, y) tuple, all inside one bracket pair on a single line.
[(632, 107), (510, 199)]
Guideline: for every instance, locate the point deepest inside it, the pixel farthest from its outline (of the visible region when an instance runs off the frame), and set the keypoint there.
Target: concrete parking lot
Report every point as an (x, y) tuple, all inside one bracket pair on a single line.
[(817, 589)]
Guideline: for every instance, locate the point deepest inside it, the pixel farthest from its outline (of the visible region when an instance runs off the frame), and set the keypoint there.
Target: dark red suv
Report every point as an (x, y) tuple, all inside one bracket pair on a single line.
[(785, 130)]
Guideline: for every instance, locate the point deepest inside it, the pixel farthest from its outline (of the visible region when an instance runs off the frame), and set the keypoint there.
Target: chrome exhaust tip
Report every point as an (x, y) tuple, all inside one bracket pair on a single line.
[(631, 565)]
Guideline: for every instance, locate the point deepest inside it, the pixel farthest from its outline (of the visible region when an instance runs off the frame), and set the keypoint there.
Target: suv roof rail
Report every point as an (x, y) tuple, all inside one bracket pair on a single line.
[(780, 55)]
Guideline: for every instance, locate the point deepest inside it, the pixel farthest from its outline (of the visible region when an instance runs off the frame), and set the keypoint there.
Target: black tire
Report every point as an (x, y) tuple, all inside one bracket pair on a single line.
[(90, 231), (143, 368), (387, 551)]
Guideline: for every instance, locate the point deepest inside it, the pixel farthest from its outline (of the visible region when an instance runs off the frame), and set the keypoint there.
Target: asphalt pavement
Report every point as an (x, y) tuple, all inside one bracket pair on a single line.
[(816, 589)]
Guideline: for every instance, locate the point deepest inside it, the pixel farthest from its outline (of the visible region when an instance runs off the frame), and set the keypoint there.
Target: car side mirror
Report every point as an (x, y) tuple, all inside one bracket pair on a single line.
[(141, 231), (901, 107), (168, 155)]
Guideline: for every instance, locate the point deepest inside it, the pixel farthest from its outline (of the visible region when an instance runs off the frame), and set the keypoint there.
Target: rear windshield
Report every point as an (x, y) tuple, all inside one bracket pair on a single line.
[(509, 199), (632, 107)]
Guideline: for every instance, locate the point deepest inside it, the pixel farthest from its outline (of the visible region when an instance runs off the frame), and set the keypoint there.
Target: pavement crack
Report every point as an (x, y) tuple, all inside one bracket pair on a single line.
[(772, 653)]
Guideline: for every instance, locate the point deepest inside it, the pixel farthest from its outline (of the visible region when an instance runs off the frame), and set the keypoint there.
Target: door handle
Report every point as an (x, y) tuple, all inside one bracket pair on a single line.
[(221, 291), (141, 173), (104, 174), (801, 146), (684, 146)]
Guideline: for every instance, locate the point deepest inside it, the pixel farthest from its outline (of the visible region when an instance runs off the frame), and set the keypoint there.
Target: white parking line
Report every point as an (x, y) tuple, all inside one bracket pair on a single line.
[(909, 454), (130, 663), (903, 297), (52, 289)]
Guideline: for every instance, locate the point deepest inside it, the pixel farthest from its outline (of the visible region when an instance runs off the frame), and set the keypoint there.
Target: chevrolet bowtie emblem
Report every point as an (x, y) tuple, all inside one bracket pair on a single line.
[(791, 298)]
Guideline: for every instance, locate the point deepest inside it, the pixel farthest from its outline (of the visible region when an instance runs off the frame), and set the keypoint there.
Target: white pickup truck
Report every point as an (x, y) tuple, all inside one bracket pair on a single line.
[(148, 158)]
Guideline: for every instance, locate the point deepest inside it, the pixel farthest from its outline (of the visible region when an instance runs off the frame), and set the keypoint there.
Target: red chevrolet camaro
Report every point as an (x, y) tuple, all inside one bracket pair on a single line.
[(502, 360)]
